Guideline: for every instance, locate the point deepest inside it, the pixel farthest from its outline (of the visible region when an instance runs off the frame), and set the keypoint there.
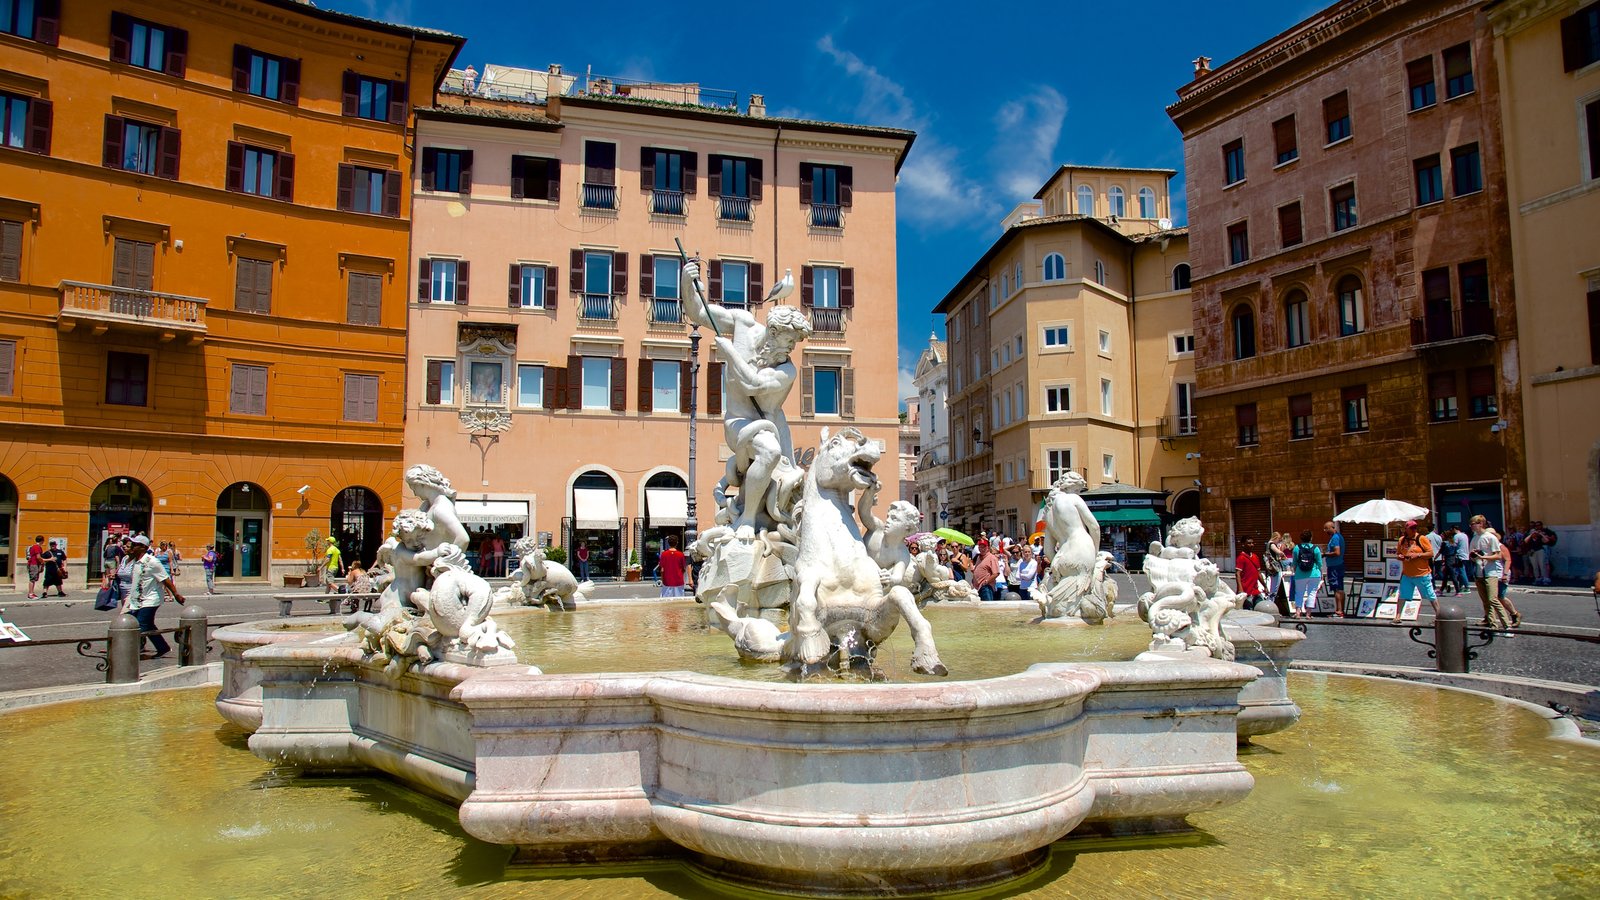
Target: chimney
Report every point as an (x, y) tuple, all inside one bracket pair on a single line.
[(552, 91), (1202, 67), (758, 106)]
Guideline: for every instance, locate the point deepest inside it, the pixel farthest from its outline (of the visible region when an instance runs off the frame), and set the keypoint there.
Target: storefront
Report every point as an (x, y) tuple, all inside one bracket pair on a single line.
[(118, 506), (8, 530), (595, 526), (1129, 517), (493, 528), (666, 512)]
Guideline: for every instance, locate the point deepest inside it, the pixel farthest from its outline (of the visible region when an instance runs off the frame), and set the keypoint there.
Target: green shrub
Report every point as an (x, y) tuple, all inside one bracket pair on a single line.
[(556, 555)]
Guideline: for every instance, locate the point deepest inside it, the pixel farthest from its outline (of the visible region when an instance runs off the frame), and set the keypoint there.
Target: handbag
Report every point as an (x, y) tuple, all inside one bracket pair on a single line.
[(109, 596)]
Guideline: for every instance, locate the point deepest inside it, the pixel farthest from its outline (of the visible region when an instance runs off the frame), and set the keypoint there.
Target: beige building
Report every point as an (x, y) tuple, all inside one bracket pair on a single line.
[(932, 381), (550, 374), (1070, 347), (1549, 72)]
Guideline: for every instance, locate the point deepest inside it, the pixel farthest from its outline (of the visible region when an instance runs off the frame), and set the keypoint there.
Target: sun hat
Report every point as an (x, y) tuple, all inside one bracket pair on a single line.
[(333, 540), (141, 540), (1411, 523)]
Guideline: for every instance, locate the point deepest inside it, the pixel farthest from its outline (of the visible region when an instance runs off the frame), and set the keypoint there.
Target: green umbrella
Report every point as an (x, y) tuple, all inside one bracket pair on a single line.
[(950, 534)]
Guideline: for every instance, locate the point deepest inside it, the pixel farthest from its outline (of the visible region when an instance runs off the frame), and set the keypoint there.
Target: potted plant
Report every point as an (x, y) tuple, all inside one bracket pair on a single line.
[(555, 555), (314, 545), (633, 565)]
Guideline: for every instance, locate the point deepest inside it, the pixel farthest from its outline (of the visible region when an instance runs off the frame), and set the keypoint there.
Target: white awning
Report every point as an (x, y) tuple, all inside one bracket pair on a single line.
[(492, 512), (666, 506), (595, 508)]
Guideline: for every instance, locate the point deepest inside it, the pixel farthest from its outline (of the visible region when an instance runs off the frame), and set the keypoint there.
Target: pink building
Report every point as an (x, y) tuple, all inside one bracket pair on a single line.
[(549, 363)]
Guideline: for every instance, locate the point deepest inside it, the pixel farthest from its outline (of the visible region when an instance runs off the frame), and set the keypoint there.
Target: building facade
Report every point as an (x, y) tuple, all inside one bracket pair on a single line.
[(1071, 349), (1549, 57), (932, 381), (1356, 331), (202, 245), (910, 448), (550, 368)]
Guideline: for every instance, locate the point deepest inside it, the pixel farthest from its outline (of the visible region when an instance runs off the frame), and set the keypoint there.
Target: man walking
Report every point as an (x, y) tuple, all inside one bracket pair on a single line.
[(1333, 566), (671, 566), (332, 566), (1437, 543), (142, 578), (1463, 557), (1416, 569), (1486, 553)]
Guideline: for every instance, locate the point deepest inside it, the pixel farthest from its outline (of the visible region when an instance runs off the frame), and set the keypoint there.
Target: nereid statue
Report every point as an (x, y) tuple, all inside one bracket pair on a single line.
[(1079, 583), (1187, 599)]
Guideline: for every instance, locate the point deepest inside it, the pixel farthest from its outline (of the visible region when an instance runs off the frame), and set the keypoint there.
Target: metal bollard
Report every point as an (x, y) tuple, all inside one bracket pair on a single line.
[(192, 636), (1450, 637), (285, 607), (122, 650), (335, 603)]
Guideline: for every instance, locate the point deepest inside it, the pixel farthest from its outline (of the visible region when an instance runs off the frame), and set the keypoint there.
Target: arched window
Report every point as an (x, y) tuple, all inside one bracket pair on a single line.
[(1296, 319), (1019, 275), (1147, 203), (1099, 272), (355, 519), (1352, 315), (1005, 285), (1180, 277), (1243, 325), (1055, 267), (120, 505), (1085, 200), (1117, 202)]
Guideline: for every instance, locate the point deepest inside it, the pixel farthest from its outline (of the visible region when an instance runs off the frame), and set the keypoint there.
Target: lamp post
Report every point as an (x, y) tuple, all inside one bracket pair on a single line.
[(691, 526)]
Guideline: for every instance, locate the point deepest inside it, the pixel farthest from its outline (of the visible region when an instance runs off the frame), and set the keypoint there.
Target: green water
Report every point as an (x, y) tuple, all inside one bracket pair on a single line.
[(1382, 790)]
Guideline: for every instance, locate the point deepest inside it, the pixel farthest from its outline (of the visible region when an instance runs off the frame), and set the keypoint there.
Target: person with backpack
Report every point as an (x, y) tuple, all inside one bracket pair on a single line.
[(1450, 563), (1307, 575), (1274, 562)]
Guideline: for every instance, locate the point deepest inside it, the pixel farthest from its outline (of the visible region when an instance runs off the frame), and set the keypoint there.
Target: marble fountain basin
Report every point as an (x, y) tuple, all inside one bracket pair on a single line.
[(830, 788)]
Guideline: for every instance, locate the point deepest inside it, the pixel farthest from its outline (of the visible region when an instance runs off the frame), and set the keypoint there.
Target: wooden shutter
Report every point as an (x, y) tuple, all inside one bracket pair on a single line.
[(754, 168), (369, 398), (575, 270), (47, 22), (391, 193), (1289, 225), (714, 388), (514, 287), (347, 187), (1283, 136), (552, 386), (40, 115), (647, 276), (574, 382), (847, 288), (144, 265), (691, 173), (600, 162), (424, 279), (430, 167), (171, 142), (435, 388), (808, 390), (1336, 107), (121, 37), (807, 286), (352, 93), (805, 184), (1244, 415), (234, 179), (244, 285), (10, 251), (112, 148), (8, 368), (1252, 518), (846, 186), (1480, 381), (463, 268), (646, 377), (256, 398), (552, 174), (550, 282), (122, 263), (847, 392), (465, 184), (1299, 405), (619, 384), (289, 81), (177, 52), (714, 175), (647, 168), (714, 280), (397, 101), (239, 389), (753, 283), (685, 386), (1594, 327), (619, 274), (263, 286), (518, 172), (362, 299), (284, 189)]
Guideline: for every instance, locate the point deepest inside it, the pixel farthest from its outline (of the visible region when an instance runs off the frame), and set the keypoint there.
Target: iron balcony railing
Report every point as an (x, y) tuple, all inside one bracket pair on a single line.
[(109, 304), (829, 320), (598, 307), (666, 312), (1178, 426), (827, 215), (1469, 320), (599, 196), (667, 203), (734, 209)]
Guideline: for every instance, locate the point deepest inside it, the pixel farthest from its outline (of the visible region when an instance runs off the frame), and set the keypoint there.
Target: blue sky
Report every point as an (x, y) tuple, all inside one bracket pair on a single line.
[(999, 96)]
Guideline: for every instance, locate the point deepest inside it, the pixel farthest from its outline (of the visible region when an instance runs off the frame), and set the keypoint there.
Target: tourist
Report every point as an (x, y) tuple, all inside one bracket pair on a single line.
[(110, 553), (1436, 541), (141, 578), (1463, 557), (1513, 539), (1333, 560), (1273, 563), (1307, 575), (1536, 547), (1416, 569), (1005, 583), (1451, 577), (1505, 583), (960, 564), (671, 567), (986, 571), (208, 562), (1027, 572), (582, 556), (55, 570), (1486, 553), (1247, 566), (35, 566), (332, 566)]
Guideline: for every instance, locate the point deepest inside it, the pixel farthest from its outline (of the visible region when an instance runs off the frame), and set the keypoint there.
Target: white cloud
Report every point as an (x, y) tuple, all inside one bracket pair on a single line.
[(1028, 130), (904, 384)]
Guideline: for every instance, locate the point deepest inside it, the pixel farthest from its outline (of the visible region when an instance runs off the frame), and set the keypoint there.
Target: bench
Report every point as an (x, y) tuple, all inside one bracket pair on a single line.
[(336, 602)]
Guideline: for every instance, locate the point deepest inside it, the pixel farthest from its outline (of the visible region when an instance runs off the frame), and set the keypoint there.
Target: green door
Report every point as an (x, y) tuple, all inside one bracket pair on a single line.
[(251, 548)]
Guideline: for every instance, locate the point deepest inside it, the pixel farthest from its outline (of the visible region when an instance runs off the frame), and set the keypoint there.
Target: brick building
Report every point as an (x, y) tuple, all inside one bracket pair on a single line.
[(1356, 334)]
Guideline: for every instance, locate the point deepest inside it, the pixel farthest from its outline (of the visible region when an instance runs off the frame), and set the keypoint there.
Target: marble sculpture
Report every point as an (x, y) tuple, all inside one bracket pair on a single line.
[(540, 582), (1079, 584), (1188, 598)]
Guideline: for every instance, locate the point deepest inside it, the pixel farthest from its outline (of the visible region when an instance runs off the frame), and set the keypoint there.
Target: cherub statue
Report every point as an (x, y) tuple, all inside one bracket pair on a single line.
[(406, 558), (458, 604), (934, 580), (886, 540), (1187, 598)]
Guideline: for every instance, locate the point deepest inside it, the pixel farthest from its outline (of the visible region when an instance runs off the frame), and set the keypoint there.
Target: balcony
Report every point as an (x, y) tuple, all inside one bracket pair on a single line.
[(667, 203), (597, 310), (666, 312), (103, 307), (733, 209), (1173, 427), (1468, 322), (827, 215), (827, 320), (599, 196)]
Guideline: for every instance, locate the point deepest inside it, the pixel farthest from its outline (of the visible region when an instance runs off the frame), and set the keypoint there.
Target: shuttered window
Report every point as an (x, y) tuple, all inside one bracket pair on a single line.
[(1244, 417), (1481, 401), (1290, 224), (141, 147), (266, 76), (1300, 422), (133, 264), (1285, 142), (535, 178), (714, 389), (159, 48), (127, 378), (25, 122), (530, 386), (10, 250), (1252, 518), (441, 387), (255, 170), (1353, 400), (8, 368), (447, 171), (252, 285), (1458, 70), (39, 20), (1336, 116), (1419, 79), (372, 191), (1442, 403), (247, 390), (377, 99), (360, 398), (364, 299), (1580, 38)]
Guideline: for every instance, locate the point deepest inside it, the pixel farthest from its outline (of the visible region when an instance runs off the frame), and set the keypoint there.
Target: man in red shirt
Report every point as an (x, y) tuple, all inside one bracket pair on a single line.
[(673, 563), (35, 566), (1248, 567), (986, 572)]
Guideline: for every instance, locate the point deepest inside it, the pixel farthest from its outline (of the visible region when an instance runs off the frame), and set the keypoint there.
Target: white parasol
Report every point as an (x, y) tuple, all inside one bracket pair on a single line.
[(1381, 511)]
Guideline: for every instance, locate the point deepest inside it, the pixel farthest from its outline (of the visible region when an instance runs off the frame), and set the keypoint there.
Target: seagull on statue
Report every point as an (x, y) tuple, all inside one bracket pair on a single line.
[(783, 288)]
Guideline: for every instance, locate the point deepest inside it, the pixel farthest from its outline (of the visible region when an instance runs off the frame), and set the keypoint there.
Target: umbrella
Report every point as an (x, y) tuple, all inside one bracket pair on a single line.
[(950, 534), (1381, 511)]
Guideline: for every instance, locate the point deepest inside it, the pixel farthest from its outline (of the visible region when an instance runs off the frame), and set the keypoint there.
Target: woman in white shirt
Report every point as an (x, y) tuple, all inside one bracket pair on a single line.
[(1486, 553)]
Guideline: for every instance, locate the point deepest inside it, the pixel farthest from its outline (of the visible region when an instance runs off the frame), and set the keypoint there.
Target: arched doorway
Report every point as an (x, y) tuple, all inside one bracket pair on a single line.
[(666, 512), (596, 525), (356, 522), (119, 506), (241, 535), (8, 530), (1186, 504)]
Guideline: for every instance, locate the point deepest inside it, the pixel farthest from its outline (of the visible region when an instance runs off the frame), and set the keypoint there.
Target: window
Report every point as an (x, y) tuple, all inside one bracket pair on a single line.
[(666, 377), (530, 386), (1466, 170), (159, 48), (1005, 284), (1005, 355), (1481, 393), (1011, 472), (1429, 179), (531, 286), (10, 250), (827, 190), (1188, 422), (8, 368), (1055, 267), (133, 264), (1419, 75), (376, 99), (1018, 276), (25, 121), (372, 191), (1005, 408), (1442, 405), (1300, 417), (1458, 70), (592, 275), (442, 280), (1183, 344), (1336, 116), (441, 390), (127, 378), (1342, 200), (535, 178), (1354, 402), (736, 182), (1108, 465), (1085, 200), (1233, 162), (255, 170), (1105, 341), (669, 175), (252, 285), (1244, 420), (994, 299), (596, 383), (1117, 202), (825, 287), (135, 146), (599, 175), (736, 284), (1147, 203), (247, 391), (447, 171), (1058, 399), (994, 359), (1594, 321), (1057, 463), (360, 398), (1297, 320), (1285, 141), (1099, 272), (1058, 336), (1238, 243), (1352, 311), (1180, 277), (1017, 341), (364, 299), (1291, 227), (1021, 402), (1580, 38), (264, 75), (1591, 127), (38, 20), (825, 390), (1244, 332), (1105, 397)]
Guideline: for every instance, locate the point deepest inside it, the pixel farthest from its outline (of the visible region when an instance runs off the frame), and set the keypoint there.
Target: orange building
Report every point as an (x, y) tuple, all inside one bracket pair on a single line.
[(203, 235)]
